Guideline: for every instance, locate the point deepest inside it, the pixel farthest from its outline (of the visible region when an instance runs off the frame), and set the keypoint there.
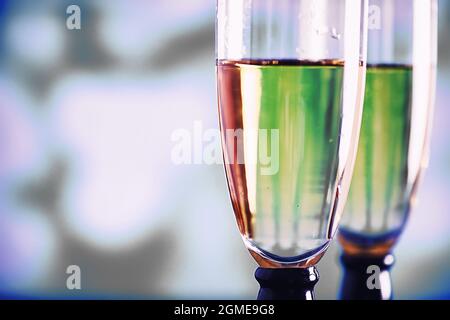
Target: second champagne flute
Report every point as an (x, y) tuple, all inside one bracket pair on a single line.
[(393, 148)]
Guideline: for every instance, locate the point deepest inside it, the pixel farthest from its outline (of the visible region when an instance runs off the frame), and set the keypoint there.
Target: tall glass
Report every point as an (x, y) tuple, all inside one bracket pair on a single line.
[(290, 78), (393, 148)]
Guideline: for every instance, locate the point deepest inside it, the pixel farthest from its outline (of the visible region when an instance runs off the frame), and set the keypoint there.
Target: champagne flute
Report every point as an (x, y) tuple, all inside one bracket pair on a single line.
[(290, 78), (393, 147)]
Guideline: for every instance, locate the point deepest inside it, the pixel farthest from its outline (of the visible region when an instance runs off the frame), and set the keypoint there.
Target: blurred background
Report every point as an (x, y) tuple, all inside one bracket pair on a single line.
[(86, 175)]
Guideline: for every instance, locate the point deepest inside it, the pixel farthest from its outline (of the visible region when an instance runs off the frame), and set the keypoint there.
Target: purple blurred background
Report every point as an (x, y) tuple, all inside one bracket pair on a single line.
[(86, 175)]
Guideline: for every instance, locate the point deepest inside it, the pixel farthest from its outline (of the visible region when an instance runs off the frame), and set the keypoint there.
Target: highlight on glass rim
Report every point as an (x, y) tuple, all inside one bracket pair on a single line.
[(224, 156)]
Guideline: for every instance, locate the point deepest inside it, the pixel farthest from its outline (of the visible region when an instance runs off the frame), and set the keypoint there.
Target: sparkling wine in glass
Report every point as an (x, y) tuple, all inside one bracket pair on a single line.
[(290, 78), (393, 147)]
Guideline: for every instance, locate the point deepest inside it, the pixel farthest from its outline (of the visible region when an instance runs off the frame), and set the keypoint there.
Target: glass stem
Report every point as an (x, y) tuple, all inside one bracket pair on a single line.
[(286, 284), (366, 277)]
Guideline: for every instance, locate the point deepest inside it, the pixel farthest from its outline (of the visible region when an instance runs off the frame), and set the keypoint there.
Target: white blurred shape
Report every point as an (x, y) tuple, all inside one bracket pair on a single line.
[(131, 33), (117, 132), (20, 145)]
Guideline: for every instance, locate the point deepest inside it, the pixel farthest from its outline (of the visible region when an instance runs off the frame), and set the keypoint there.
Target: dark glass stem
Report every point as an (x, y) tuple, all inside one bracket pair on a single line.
[(286, 284), (366, 277)]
